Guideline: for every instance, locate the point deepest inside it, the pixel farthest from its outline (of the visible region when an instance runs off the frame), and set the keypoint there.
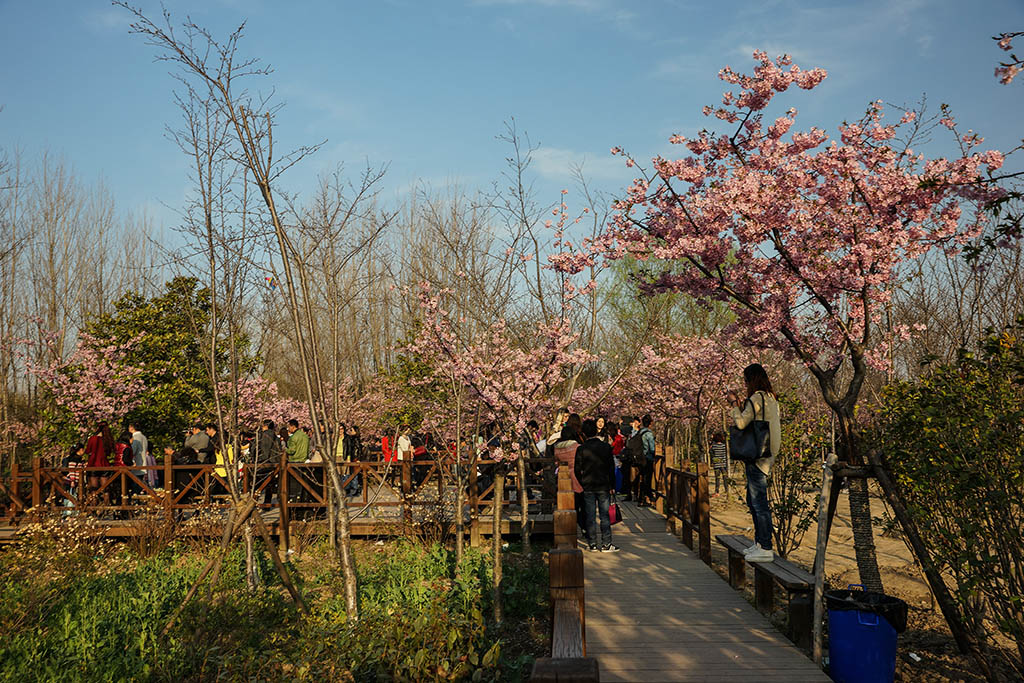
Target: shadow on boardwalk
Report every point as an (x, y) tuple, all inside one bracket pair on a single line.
[(655, 612)]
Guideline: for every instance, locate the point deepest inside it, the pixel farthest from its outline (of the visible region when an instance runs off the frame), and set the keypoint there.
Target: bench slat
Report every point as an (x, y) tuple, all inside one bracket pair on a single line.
[(734, 543), (792, 577), (783, 576)]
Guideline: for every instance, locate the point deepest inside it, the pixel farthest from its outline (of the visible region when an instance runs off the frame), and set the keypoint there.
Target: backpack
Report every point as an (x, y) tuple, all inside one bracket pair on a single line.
[(633, 453)]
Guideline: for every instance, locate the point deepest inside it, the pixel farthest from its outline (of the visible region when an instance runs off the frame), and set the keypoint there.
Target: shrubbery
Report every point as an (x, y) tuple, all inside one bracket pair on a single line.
[(955, 441), (96, 615), (796, 470)]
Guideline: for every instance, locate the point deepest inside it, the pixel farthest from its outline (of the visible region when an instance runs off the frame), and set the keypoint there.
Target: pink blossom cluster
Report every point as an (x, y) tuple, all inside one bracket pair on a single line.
[(800, 234), (514, 374), (1007, 71), (683, 376), (94, 383), (364, 404), (258, 400)]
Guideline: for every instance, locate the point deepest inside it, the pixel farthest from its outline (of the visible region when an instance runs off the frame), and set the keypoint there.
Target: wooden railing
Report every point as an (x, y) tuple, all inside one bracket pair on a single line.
[(568, 660), (396, 492), (684, 499)]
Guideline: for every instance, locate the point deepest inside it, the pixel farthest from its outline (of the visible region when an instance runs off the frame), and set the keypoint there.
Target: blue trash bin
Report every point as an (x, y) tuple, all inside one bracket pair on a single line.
[(862, 632)]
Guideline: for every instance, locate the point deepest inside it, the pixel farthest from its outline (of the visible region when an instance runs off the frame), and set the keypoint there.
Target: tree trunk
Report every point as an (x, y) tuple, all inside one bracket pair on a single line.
[(252, 577), (499, 488), (343, 550), (524, 503), (860, 510), (332, 516)]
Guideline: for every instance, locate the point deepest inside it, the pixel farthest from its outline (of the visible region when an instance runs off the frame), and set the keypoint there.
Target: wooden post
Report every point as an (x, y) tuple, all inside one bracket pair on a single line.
[(564, 518), (764, 591), (686, 511), (15, 494), (703, 513), (801, 612), (659, 482), (737, 569), (819, 556), (565, 566), (474, 508), (37, 482), (283, 539), (168, 488), (406, 492)]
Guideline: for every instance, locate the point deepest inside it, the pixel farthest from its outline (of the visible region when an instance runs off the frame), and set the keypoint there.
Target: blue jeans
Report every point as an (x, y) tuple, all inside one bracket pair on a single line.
[(596, 503), (757, 501)]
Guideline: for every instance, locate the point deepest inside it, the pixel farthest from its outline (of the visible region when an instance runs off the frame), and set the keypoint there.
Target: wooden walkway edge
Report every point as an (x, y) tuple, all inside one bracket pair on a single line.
[(656, 612)]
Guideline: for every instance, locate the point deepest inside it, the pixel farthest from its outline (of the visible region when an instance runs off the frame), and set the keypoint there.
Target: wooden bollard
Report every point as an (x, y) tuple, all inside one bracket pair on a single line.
[(565, 528), (565, 566), (566, 497)]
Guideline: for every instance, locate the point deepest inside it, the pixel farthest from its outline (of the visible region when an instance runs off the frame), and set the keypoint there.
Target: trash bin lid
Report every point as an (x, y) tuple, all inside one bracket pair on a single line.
[(893, 609)]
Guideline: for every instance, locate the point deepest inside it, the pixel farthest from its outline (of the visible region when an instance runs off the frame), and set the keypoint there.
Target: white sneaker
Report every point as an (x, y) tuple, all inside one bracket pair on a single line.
[(760, 555), (751, 548)]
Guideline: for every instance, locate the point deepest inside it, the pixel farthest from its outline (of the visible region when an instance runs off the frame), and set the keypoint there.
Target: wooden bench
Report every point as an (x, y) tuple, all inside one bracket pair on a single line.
[(798, 583)]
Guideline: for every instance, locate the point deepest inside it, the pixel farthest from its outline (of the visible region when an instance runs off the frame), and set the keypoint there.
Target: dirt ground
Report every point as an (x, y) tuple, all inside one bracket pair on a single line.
[(927, 638)]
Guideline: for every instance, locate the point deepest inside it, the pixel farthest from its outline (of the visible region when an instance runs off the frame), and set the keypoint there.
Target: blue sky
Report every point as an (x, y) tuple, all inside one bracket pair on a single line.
[(425, 85)]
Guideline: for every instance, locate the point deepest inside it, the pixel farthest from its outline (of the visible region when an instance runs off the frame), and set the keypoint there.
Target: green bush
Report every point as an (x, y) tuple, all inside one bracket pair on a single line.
[(796, 470), (955, 442)]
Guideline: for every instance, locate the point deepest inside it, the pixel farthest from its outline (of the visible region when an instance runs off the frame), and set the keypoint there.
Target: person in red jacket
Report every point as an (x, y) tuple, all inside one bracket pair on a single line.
[(618, 442), (99, 448)]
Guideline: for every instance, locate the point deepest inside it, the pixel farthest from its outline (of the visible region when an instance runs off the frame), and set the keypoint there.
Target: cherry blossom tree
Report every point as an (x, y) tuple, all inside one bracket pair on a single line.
[(802, 235), (686, 377), (94, 383), (514, 374), (258, 400)]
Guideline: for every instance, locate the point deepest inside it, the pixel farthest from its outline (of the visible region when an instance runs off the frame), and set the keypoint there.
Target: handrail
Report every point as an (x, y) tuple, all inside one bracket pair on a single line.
[(401, 487), (687, 505)]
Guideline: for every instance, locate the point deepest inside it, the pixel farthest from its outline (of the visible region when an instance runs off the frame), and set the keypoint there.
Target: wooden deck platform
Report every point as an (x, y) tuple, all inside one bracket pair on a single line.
[(655, 612)]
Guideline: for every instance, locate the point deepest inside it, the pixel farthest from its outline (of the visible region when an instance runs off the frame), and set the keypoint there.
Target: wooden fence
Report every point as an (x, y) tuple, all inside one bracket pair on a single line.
[(684, 500), (382, 497)]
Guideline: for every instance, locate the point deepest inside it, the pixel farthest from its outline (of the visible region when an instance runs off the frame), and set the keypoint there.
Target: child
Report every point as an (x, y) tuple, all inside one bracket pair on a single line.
[(74, 461), (720, 461)]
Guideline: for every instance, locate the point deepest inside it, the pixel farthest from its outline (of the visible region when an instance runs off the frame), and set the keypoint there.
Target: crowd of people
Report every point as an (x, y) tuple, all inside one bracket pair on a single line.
[(607, 458), (203, 444), (604, 459)]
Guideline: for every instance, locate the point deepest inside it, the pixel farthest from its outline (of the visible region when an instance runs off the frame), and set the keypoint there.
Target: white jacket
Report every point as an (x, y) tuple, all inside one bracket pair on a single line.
[(752, 411)]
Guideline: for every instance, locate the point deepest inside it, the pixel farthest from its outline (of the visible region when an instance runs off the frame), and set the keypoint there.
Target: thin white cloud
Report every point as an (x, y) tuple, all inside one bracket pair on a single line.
[(555, 163), (606, 11), (107, 19)]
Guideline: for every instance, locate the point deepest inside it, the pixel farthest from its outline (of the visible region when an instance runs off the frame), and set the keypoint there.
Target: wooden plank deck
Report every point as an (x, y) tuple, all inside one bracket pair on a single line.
[(655, 612)]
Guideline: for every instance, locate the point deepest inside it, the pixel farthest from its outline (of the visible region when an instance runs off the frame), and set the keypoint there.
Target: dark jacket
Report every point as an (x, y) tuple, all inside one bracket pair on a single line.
[(594, 466), (267, 451)]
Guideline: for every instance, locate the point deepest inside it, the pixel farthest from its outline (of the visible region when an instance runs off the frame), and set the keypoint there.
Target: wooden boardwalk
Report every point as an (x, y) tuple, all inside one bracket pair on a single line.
[(655, 612)]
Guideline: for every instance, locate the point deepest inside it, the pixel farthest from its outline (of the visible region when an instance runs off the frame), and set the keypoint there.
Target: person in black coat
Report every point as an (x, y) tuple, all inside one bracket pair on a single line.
[(595, 471)]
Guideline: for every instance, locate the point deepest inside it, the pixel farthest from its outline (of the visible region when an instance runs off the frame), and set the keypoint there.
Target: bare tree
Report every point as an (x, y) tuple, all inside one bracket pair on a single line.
[(218, 70)]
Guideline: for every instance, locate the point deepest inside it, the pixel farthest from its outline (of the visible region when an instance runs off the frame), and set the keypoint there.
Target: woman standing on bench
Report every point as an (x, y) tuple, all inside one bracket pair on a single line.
[(759, 404)]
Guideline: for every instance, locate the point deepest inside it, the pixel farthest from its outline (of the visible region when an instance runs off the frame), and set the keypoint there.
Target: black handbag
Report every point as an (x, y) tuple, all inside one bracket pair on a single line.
[(748, 444)]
